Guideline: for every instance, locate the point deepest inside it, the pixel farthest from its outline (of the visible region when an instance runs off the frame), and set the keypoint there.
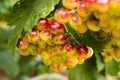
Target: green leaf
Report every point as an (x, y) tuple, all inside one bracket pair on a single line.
[(99, 62), (26, 64), (86, 71), (4, 34), (112, 67), (25, 15), (8, 63)]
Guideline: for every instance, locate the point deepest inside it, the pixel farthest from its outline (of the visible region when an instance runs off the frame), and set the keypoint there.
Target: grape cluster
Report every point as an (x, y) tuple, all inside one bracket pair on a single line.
[(49, 40)]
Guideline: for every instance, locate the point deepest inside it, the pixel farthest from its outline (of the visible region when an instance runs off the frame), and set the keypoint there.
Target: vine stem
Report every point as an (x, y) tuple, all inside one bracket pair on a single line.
[(71, 35)]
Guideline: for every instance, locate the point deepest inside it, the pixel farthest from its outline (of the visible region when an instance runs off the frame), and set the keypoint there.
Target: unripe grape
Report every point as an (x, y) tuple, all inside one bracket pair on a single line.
[(82, 51), (60, 38), (43, 23), (45, 35), (69, 49), (56, 59), (70, 4), (24, 52), (93, 24), (32, 49), (82, 10), (102, 5), (51, 42), (59, 49), (82, 28), (81, 60), (45, 55), (61, 15), (55, 67), (33, 37), (22, 44), (51, 50), (90, 52), (47, 62), (71, 61), (56, 27), (116, 33), (42, 44), (90, 4), (75, 21)]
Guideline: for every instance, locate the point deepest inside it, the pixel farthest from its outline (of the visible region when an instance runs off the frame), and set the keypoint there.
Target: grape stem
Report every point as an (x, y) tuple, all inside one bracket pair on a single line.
[(71, 35)]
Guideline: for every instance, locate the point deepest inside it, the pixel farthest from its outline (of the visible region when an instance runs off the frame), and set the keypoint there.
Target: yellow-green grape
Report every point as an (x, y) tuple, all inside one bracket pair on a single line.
[(81, 60), (59, 50), (116, 33), (71, 61), (45, 55), (47, 62), (42, 44), (45, 35), (82, 10), (24, 53), (102, 6), (75, 20), (108, 46), (61, 15), (51, 42), (116, 41), (69, 49), (93, 24), (116, 52), (55, 67), (56, 58), (32, 37), (70, 4), (51, 50), (90, 52), (107, 56), (32, 49), (101, 16), (82, 28)]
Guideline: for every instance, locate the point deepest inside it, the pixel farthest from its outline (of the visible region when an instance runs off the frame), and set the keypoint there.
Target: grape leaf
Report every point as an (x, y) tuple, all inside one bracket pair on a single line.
[(8, 63), (86, 71), (25, 15), (112, 67), (99, 62)]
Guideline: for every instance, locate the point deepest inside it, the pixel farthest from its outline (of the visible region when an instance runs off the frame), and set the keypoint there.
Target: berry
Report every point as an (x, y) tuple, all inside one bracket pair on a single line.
[(24, 53), (60, 38), (33, 37), (43, 23), (75, 21), (93, 24), (69, 49), (56, 27), (82, 10), (82, 51), (71, 61), (22, 44), (70, 4), (61, 15), (45, 35)]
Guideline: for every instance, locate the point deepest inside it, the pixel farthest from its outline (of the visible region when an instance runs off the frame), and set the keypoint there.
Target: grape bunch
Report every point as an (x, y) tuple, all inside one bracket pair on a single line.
[(50, 39)]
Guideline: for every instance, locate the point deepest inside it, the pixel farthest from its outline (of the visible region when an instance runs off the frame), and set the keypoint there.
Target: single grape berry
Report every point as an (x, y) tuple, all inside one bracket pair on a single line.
[(22, 44), (61, 15), (70, 4), (56, 27), (69, 49), (43, 23), (33, 36), (45, 35), (60, 38), (82, 51)]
